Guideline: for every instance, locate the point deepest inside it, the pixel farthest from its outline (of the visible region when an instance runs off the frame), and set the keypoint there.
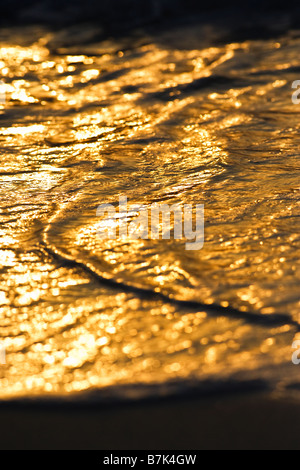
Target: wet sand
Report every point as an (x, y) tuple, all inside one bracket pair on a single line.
[(256, 422)]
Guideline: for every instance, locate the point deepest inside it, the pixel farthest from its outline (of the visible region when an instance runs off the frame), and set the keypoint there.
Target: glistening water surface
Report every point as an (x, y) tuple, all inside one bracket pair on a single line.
[(165, 119)]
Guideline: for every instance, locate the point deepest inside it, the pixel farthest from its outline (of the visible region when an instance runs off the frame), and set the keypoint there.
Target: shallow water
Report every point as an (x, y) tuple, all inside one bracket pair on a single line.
[(156, 120)]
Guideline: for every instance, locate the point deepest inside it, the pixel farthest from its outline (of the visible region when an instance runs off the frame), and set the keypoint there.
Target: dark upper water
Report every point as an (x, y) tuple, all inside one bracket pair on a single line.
[(171, 117)]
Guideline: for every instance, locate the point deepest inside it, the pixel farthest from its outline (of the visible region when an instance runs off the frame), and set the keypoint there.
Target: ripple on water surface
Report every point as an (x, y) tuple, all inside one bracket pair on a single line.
[(157, 123)]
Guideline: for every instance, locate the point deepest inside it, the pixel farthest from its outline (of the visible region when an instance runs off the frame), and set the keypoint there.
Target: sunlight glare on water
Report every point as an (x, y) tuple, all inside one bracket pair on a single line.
[(204, 125)]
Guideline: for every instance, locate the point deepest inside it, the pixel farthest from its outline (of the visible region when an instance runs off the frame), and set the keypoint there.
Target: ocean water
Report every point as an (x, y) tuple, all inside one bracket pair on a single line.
[(172, 117)]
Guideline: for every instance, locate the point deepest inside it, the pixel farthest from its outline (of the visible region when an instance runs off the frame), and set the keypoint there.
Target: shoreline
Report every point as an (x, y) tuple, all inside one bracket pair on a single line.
[(254, 422)]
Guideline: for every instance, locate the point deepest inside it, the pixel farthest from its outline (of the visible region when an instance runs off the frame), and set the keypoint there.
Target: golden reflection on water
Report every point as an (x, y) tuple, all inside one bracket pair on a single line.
[(158, 124)]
